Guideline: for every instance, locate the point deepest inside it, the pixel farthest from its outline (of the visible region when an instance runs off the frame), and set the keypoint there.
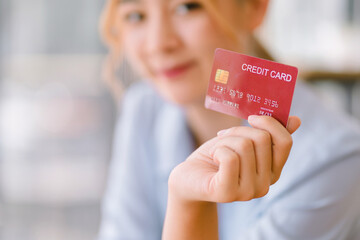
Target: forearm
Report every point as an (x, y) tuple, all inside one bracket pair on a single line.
[(190, 220)]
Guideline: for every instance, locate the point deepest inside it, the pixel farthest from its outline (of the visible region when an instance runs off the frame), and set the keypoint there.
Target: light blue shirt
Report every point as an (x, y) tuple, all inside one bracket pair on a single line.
[(317, 196)]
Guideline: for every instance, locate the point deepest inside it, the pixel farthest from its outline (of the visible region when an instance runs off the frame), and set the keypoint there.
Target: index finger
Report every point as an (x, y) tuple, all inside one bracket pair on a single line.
[(281, 140)]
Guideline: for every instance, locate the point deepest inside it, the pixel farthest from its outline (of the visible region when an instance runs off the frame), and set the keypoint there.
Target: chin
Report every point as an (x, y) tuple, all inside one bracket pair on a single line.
[(185, 91), (183, 98)]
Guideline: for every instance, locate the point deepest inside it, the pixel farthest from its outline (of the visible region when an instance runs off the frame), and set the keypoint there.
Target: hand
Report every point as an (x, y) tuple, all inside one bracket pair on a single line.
[(238, 165)]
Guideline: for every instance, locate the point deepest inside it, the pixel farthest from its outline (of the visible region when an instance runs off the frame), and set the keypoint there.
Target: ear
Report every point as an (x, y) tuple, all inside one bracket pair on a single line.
[(109, 26), (253, 13)]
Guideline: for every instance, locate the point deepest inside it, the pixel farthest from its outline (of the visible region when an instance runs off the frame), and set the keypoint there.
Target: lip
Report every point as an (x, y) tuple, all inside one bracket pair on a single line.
[(176, 70)]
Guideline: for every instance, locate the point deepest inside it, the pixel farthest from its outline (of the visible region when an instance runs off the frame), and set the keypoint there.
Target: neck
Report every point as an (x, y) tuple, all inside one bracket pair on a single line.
[(204, 123)]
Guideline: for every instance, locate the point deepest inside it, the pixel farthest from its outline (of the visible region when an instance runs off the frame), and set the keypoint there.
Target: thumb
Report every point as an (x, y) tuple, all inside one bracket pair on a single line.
[(293, 124), (229, 165)]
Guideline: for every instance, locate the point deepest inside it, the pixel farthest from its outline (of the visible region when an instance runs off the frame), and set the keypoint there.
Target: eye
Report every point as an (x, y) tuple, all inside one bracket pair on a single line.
[(185, 8), (134, 17)]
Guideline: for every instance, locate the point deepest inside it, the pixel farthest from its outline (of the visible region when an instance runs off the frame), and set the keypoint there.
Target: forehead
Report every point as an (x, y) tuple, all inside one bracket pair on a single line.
[(124, 1), (141, 1), (128, 1)]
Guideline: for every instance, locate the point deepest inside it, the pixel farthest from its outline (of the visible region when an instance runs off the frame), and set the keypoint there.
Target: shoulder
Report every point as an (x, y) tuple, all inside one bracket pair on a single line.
[(326, 145), (320, 178), (139, 106), (137, 115), (140, 99), (323, 128)]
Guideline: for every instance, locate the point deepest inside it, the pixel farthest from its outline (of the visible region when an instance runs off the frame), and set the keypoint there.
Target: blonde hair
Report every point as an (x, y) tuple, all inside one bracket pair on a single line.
[(111, 36)]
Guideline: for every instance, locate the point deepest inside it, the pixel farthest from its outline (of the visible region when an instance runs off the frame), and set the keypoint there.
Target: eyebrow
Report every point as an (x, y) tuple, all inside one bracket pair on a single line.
[(125, 1)]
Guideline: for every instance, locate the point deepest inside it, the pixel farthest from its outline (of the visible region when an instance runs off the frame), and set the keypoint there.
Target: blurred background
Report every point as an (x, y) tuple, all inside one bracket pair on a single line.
[(57, 116)]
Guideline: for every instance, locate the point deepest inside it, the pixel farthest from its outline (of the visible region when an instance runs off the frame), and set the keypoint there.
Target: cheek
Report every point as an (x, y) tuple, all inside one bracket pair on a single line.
[(206, 33), (202, 36), (133, 51), (199, 35)]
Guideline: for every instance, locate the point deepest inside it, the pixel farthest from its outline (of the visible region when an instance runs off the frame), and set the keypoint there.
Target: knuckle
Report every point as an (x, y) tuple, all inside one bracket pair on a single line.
[(263, 137), (262, 186), (225, 155), (226, 197), (290, 142), (247, 194), (232, 131), (275, 178), (286, 142), (235, 130), (231, 157), (229, 198), (262, 192), (245, 144)]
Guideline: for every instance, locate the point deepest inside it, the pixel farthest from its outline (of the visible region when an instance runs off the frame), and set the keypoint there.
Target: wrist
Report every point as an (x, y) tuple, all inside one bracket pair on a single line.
[(190, 219), (182, 200), (178, 201)]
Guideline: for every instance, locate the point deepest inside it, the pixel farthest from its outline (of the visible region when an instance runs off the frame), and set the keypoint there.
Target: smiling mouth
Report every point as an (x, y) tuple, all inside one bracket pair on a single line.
[(176, 71)]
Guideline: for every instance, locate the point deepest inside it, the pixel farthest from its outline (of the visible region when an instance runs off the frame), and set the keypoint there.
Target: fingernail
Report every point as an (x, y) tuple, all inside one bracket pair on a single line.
[(222, 132), (252, 118)]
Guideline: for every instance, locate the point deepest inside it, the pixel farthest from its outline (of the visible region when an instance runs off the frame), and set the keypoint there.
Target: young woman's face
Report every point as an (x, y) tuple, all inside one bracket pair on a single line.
[(172, 43)]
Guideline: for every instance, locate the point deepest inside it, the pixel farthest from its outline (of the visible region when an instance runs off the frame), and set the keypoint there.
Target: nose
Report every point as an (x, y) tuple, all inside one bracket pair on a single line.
[(162, 37)]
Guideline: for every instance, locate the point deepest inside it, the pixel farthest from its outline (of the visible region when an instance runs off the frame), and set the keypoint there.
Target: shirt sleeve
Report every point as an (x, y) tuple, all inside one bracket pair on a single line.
[(318, 194), (129, 209), (322, 206)]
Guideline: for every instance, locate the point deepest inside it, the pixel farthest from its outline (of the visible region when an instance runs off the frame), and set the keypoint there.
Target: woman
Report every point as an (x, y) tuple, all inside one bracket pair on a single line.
[(214, 158)]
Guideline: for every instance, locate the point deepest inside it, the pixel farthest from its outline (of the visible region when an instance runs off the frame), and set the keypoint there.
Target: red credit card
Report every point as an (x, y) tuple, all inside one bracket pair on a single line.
[(242, 85)]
